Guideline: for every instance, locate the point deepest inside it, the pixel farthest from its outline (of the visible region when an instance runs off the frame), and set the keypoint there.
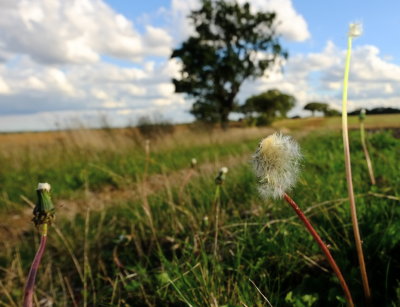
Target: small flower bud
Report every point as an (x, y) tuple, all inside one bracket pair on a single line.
[(362, 115), (221, 175), (44, 210)]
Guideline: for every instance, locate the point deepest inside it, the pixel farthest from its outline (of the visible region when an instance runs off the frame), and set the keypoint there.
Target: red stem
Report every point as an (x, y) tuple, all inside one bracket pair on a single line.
[(324, 248), (28, 295)]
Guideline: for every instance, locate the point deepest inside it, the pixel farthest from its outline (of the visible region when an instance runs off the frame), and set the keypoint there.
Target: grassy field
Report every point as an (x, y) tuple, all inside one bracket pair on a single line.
[(137, 231), (335, 123)]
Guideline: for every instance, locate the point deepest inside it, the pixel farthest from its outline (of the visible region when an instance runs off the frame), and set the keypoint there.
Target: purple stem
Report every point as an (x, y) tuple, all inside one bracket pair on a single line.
[(28, 295)]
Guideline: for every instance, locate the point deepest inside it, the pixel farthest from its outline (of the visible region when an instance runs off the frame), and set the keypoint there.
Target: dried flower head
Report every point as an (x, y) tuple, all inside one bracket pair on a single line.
[(221, 175), (44, 210), (355, 29), (276, 164)]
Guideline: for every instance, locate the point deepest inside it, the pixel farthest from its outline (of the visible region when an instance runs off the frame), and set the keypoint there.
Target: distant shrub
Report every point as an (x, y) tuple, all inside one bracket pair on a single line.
[(155, 126)]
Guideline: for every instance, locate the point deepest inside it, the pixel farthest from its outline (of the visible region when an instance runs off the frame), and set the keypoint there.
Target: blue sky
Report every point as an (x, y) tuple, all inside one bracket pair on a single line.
[(328, 20), (69, 61)]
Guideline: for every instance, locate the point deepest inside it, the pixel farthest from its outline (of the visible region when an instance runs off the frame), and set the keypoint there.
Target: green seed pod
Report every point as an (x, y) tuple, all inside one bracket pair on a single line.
[(362, 115), (44, 211)]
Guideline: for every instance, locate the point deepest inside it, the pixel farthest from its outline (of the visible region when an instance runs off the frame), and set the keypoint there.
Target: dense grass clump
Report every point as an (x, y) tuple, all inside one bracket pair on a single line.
[(155, 247)]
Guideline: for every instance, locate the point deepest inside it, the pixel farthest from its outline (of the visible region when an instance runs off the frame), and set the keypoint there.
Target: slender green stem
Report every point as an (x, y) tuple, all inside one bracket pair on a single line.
[(366, 153), (353, 209), (323, 247)]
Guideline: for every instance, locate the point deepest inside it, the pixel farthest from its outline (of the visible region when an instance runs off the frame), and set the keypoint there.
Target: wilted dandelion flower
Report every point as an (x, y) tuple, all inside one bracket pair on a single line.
[(276, 164)]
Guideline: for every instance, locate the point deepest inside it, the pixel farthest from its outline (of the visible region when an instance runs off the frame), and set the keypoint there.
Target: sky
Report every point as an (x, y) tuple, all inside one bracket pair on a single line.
[(81, 62)]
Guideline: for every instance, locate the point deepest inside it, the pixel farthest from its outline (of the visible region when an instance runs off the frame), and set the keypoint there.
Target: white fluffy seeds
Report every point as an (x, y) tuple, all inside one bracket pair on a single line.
[(44, 186), (355, 29), (276, 163)]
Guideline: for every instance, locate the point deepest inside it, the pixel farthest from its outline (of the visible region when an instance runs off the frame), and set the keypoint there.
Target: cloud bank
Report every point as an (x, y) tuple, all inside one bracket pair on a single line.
[(60, 59)]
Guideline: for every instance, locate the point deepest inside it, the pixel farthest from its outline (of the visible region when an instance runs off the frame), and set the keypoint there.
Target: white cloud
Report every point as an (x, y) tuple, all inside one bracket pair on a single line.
[(29, 87), (75, 31), (374, 80), (291, 25)]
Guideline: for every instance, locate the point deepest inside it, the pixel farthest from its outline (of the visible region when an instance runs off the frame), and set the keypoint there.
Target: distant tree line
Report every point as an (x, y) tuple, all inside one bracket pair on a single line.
[(379, 110)]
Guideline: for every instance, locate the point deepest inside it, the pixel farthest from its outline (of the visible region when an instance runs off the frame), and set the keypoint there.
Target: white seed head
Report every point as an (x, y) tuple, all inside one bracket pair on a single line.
[(276, 164), (355, 29), (194, 161), (224, 170), (44, 186)]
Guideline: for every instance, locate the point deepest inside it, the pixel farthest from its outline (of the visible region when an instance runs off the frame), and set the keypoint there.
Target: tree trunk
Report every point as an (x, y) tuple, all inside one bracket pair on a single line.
[(224, 117)]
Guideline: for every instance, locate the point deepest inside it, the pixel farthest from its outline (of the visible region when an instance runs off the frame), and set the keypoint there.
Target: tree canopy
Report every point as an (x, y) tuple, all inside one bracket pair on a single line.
[(230, 45), (268, 105), (321, 107)]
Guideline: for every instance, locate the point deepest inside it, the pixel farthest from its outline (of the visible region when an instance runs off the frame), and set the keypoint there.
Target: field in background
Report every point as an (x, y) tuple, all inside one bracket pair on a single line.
[(335, 123), (137, 230)]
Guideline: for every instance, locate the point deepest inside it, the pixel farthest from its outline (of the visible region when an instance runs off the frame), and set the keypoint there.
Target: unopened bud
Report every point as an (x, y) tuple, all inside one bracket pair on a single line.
[(221, 175), (44, 211)]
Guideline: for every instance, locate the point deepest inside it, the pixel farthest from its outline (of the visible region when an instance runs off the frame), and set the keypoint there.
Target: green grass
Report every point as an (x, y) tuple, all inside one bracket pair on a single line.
[(72, 168), (165, 257)]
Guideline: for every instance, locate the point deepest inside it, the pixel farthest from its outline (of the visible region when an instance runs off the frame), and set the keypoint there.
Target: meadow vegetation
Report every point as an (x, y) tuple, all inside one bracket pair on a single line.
[(137, 231)]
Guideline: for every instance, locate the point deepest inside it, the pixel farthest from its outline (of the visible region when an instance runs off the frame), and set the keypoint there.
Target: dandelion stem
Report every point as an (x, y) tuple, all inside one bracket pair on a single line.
[(323, 247), (353, 209), (217, 208), (28, 293), (367, 157)]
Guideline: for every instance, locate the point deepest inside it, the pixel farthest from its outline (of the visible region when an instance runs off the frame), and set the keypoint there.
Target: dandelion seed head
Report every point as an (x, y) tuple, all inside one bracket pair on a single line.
[(44, 186), (276, 163), (355, 29), (224, 170)]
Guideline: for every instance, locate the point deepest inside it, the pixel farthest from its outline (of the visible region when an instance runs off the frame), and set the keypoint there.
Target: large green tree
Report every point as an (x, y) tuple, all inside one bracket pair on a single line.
[(230, 45)]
